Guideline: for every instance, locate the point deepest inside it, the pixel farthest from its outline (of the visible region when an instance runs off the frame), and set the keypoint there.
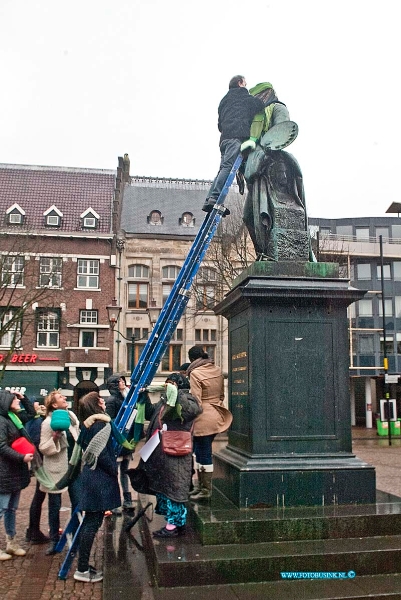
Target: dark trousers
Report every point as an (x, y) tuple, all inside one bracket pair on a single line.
[(203, 449), (229, 151), (90, 526), (35, 510), (54, 516)]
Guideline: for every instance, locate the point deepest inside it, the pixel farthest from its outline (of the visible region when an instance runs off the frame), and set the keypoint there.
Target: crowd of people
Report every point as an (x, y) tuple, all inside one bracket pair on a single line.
[(57, 440)]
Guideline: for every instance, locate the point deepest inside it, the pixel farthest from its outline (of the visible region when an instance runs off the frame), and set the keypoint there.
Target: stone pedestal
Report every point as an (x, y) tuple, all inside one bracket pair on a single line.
[(290, 442)]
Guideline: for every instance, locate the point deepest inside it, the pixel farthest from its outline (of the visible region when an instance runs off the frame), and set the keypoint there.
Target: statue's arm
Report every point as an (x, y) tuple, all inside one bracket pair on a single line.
[(280, 114)]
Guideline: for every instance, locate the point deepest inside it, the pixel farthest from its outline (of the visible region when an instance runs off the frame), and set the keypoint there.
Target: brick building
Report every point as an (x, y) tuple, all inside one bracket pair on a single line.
[(57, 252)]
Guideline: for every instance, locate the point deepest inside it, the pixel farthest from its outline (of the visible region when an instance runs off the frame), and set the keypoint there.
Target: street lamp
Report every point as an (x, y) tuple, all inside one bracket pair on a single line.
[(113, 313)]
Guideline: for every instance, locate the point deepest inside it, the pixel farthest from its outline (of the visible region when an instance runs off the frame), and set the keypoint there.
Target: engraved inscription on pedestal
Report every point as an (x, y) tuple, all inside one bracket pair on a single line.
[(239, 401)]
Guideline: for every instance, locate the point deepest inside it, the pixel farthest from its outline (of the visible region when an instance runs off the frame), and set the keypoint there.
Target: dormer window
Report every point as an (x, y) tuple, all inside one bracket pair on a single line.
[(15, 215), (89, 219), (187, 220), (53, 217), (155, 218)]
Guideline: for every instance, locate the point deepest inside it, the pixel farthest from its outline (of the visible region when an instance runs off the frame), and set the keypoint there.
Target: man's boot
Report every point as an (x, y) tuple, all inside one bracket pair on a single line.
[(197, 487), (206, 474), (13, 547)]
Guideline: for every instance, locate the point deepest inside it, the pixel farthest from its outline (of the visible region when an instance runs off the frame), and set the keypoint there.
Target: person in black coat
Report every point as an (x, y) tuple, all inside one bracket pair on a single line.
[(170, 476), (14, 472), (236, 112), (118, 389), (98, 481)]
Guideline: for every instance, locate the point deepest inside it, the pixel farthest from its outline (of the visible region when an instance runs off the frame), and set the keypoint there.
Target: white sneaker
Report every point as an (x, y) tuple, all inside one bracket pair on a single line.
[(89, 576), (4, 555), (13, 547)]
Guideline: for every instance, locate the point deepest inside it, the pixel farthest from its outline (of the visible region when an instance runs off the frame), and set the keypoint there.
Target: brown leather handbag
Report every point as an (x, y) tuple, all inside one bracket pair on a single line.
[(175, 443)]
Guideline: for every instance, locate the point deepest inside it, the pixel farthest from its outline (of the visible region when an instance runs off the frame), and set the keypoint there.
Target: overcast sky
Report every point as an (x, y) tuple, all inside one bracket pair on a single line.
[(86, 81)]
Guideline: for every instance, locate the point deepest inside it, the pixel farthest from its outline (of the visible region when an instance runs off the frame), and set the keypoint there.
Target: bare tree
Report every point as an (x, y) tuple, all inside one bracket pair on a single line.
[(229, 253), (21, 287)]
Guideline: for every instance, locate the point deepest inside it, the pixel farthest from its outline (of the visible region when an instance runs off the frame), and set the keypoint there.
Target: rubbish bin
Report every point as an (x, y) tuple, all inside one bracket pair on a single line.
[(395, 427), (382, 427)]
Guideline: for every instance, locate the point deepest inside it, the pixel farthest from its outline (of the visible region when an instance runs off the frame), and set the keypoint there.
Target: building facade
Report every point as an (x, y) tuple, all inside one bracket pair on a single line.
[(57, 249), (374, 321), (159, 221)]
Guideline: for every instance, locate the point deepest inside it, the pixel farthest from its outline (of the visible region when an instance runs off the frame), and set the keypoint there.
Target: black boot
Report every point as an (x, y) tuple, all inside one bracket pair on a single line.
[(36, 537)]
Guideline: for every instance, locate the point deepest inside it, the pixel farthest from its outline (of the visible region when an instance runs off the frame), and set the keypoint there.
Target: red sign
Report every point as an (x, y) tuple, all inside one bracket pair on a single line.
[(21, 358)]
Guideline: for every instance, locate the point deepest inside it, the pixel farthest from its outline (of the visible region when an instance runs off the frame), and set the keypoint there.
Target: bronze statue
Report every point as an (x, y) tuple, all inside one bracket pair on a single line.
[(275, 212)]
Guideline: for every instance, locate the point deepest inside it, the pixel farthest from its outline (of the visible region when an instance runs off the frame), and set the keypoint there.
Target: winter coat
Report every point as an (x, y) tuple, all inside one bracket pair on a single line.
[(55, 451), (171, 475), (207, 385), (14, 473), (236, 112), (99, 489), (113, 405)]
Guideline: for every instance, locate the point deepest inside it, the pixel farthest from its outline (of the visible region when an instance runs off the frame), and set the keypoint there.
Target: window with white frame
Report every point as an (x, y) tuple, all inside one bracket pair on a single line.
[(138, 291), (88, 273), (187, 219), (10, 327), (87, 338), (88, 317), (15, 215), (53, 220), (47, 329), (388, 307), (365, 308), (50, 271), (363, 271), (89, 219), (169, 272), (12, 270), (386, 272)]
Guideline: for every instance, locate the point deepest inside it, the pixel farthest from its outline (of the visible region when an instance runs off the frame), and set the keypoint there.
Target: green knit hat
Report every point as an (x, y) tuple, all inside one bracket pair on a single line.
[(260, 87)]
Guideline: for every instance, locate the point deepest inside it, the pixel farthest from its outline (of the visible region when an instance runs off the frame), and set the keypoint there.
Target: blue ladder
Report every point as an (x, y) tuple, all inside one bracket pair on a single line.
[(156, 345), (70, 537), (173, 309)]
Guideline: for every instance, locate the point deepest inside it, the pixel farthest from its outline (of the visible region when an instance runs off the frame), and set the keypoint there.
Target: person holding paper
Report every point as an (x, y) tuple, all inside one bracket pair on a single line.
[(170, 476)]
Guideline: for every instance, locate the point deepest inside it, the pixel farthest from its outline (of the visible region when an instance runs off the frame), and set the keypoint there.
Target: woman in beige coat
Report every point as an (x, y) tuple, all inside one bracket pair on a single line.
[(54, 447), (207, 385)]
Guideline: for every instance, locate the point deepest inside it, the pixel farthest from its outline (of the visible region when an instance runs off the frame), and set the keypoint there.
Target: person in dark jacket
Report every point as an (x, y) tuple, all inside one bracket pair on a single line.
[(170, 476), (236, 112), (98, 481), (14, 472), (118, 389)]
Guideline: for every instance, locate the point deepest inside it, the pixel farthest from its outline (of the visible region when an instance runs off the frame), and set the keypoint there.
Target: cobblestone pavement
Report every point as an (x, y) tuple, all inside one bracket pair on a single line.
[(35, 576)]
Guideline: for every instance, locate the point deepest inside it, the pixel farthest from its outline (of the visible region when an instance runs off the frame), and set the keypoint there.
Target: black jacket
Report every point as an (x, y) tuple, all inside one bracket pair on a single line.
[(236, 112), (171, 475), (14, 473)]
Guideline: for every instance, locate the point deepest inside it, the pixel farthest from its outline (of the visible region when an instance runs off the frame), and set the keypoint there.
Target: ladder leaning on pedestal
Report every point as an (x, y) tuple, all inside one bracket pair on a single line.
[(157, 343)]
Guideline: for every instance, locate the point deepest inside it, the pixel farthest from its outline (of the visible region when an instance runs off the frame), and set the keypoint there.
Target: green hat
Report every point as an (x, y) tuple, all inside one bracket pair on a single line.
[(260, 87), (60, 420)]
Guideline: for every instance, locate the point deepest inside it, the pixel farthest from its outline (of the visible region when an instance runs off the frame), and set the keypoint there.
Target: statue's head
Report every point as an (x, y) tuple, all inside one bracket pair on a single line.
[(279, 173)]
